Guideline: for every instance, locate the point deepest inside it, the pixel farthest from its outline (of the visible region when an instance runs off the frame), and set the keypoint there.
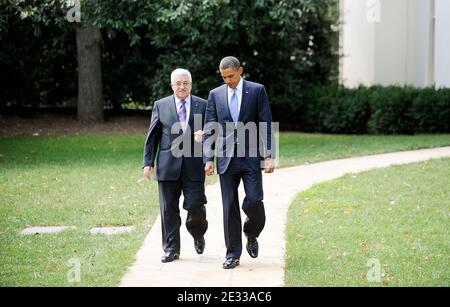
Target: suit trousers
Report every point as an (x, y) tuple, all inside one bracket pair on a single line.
[(194, 203), (253, 206)]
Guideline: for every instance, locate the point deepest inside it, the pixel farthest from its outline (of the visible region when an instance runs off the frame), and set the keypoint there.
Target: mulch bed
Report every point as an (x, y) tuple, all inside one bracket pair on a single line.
[(45, 124)]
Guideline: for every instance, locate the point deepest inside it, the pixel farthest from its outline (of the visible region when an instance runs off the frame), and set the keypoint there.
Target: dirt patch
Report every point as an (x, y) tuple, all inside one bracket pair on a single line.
[(66, 124)]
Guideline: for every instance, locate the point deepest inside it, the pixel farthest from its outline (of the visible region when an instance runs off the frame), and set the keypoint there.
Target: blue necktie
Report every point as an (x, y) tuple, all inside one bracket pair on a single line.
[(234, 107)]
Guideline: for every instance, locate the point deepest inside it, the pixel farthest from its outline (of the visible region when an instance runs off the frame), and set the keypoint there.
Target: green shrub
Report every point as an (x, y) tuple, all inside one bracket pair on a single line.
[(431, 110), (391, 109), (348, 112), (374, 110)]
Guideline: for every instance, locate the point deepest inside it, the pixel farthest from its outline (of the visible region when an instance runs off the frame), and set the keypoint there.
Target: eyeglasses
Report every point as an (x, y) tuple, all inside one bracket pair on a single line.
[(179, 84)]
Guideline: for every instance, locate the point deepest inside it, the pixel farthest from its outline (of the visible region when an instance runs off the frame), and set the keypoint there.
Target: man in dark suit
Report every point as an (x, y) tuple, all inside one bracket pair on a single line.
[(232, 108), (179, 163)]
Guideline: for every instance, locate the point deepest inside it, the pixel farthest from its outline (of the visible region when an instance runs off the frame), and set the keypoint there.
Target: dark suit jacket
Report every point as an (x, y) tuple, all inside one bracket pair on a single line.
[(254, 109), (161, 141)]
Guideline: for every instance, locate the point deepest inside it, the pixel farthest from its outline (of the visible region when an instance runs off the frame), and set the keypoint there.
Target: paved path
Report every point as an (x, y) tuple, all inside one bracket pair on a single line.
[(280, 189)]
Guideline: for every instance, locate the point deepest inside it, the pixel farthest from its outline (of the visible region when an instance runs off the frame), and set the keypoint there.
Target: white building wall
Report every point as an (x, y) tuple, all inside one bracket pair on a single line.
[(394, 42), (391, 41), (442, 47), (419, 45), (357, 44)]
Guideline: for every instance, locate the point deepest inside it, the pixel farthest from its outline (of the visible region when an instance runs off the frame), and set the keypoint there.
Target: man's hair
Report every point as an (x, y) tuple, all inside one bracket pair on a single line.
[(229, 62), (180, 71)]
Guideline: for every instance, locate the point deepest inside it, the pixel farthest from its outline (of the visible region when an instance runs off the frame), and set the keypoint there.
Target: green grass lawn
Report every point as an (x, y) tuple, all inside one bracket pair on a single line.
[(300, 148), (392, 221), (74, 181), (87, 181)]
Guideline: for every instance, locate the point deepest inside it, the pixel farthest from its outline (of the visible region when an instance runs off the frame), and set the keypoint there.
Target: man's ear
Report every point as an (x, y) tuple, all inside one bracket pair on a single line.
[(241, 70)]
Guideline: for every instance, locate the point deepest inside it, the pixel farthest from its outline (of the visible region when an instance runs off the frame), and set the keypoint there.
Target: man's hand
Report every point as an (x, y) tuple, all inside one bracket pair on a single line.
[(148, 170), (269, 165), (209, 168), (198, 136)]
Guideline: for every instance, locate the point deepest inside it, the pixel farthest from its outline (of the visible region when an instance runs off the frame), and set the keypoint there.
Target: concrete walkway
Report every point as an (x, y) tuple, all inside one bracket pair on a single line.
[(280, 189)]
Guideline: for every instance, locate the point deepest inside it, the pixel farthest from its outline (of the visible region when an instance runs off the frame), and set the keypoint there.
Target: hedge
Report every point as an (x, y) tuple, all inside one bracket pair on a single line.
[(373, 110)]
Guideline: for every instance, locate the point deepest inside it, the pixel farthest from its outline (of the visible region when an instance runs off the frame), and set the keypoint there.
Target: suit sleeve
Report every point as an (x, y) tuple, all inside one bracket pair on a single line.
[(265, 118), (153, 137), (209, 130)]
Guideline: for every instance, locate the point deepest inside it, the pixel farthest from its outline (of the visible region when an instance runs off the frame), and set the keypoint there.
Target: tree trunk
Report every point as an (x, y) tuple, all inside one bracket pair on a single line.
[(90, 87)]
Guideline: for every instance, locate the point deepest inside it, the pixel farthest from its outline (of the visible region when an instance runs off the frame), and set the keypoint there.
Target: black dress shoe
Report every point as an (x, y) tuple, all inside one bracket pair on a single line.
[(252, 247), (199, 245), (170, 256), (231, 263)]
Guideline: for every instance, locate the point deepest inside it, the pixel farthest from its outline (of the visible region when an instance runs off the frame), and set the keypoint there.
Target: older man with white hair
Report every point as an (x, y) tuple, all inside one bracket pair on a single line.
[(175, 160)]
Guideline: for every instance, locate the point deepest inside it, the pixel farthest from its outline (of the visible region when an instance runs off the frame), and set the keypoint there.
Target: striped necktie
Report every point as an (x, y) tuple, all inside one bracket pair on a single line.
[(182, 114)]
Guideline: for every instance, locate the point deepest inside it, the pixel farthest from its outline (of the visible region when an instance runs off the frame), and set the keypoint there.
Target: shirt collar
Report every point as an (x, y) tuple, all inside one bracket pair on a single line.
[(178, 101), (239, 87)]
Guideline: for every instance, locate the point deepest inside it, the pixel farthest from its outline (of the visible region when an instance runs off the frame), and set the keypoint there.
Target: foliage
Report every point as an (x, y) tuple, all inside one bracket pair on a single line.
[(375, 110), (282, 44), (37, 59)]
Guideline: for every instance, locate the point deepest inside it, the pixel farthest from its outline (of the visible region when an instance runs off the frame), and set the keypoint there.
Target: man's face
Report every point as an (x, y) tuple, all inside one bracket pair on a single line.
[(231, 76), (181, 86)]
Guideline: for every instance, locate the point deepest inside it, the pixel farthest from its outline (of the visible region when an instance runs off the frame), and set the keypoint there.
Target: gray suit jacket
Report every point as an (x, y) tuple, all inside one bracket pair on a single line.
[(162, 141)]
